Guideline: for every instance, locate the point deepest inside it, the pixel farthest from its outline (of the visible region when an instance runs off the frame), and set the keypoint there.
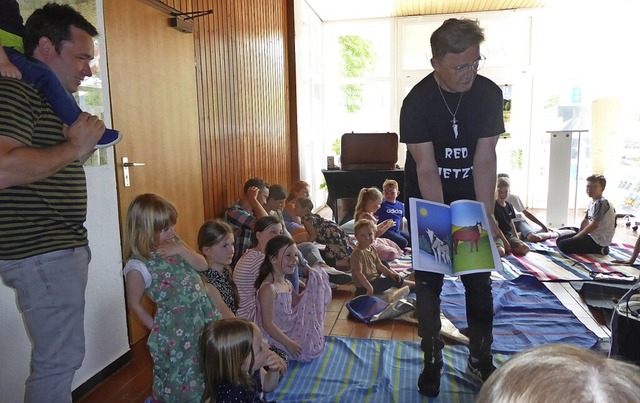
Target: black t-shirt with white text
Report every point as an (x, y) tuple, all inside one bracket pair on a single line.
[(425, 118)]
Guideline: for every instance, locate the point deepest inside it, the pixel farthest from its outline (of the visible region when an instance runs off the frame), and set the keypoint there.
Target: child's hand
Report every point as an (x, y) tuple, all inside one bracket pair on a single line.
[(253, 192), (294, 348), (276, 363), (7, 69), (507, 248), (170, 248), (395, 276), (85, 132), (369, 290)]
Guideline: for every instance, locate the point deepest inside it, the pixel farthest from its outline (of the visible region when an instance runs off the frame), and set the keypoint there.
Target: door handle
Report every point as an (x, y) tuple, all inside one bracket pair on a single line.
[(125, 170)]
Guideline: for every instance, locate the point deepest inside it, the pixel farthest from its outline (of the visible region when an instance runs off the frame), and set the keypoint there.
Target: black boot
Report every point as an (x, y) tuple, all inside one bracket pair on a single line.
[(480, 365), (429, 381)]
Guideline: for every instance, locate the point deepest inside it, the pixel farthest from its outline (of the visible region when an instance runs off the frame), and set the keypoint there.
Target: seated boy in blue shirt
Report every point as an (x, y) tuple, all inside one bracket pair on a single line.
[(393, 209)]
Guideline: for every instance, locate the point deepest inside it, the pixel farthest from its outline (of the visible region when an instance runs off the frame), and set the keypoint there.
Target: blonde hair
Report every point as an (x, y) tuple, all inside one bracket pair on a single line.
[(561, 372), (364, 197), (502, 182), (147, 215), (364, 223), (225, 345), (390, 183), (295, 188)]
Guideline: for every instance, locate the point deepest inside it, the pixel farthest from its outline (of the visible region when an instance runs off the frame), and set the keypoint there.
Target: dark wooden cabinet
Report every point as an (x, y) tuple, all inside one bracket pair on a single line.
[(347, 184)]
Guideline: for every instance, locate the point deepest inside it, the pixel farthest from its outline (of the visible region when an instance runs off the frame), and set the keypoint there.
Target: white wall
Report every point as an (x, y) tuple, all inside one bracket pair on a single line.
[(309, 92), (105, 324)]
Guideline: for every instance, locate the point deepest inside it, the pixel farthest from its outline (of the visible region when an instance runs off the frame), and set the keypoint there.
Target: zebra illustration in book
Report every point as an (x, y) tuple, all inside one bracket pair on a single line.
[(441, 251), (470, 234)]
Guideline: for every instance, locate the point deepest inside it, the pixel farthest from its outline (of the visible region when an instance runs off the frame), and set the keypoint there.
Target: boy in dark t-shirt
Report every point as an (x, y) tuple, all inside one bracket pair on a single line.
[(505, 214), (393, 209)]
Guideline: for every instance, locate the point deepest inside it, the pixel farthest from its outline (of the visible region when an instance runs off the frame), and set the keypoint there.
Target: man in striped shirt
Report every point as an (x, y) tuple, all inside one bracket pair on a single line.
[(244, 212), (44, 253)]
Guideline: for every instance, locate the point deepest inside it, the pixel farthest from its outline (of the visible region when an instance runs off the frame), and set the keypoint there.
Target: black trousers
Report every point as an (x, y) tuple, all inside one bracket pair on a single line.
[(578, 244), (479, 304)]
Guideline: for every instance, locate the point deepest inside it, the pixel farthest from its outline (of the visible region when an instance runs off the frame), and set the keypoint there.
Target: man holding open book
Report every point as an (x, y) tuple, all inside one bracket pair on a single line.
[(450, 122)]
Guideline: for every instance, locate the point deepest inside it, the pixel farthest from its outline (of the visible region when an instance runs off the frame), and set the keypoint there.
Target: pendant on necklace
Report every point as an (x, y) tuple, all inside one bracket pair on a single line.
[(454, 122), (454, 126)]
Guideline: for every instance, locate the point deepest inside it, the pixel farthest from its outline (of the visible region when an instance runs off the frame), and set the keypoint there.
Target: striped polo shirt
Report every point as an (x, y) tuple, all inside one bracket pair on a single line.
[(47, 215)]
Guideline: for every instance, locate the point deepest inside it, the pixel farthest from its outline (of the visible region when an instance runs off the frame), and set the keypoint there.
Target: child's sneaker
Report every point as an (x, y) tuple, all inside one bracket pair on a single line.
[(481, 370), (109, 137)]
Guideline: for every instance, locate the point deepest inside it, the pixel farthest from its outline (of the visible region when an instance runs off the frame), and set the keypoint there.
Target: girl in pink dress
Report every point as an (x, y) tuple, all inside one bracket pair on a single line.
[(290, 321), (248, 267)]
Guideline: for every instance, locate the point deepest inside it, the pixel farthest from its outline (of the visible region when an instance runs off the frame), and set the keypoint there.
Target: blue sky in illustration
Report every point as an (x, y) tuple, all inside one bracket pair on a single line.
[(437, 217)]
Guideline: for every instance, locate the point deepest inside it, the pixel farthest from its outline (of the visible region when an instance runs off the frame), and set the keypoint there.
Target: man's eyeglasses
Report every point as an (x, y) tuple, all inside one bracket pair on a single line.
[(464, 69)]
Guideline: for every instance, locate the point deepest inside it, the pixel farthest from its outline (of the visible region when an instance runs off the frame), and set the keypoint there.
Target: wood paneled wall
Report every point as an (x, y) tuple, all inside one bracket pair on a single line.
[(242, 78)]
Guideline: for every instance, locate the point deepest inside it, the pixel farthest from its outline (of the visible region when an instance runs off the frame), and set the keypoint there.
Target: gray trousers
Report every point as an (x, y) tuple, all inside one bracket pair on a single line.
[(310, 252), (50, 295)]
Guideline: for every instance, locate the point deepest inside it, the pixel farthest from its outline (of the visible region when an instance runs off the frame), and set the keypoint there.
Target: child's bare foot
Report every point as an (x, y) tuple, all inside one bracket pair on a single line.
[(534, 238), (520, 250)]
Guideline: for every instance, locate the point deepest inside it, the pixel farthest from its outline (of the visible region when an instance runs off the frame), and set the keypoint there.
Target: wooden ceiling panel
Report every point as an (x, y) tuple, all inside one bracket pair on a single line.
[(336, 10), (405, 8)]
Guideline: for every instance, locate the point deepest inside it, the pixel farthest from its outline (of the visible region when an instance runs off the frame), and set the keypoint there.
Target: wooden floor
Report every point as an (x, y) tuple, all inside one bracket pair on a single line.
[(132, 383)]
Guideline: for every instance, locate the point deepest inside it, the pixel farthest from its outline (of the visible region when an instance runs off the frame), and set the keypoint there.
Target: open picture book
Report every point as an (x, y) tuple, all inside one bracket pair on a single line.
[(452, 240)]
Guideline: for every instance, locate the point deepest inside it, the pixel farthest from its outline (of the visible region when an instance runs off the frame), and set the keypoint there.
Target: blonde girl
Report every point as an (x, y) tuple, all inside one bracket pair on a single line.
[(247, 269), (291, 322), (161, 266), (237, 363), (216, 243), (369, 201)]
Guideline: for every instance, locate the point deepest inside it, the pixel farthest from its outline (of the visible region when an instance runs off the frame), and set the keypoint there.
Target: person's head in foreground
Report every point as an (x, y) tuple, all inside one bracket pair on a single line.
[(562, 373)]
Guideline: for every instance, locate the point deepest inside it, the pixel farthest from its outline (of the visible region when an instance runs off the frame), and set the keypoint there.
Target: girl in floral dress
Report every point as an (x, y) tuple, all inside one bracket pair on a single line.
[(338, 246), (161, 266), (216, 243), (290, 321)]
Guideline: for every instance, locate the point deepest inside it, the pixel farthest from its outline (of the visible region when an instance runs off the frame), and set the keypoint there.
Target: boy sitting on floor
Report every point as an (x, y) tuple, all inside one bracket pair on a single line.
[(524, 229), (366, 266), (599, 224), (505, 214)]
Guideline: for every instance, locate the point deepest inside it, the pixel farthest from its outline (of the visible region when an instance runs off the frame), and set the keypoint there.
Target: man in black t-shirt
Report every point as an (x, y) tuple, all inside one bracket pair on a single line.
[(450, 122)]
